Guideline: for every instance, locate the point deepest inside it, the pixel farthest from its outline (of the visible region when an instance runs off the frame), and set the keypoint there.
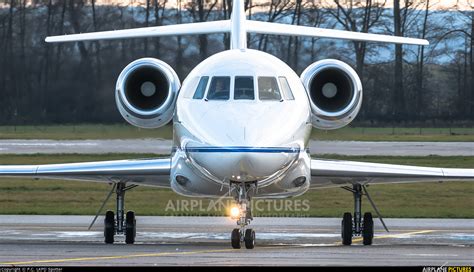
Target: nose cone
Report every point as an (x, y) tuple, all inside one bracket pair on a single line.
[(242, 163)]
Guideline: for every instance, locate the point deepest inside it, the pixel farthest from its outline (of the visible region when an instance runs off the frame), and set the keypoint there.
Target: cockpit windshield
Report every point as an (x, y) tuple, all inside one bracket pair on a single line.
[(219, 89), (201, 88), (285, 89), (268, 89), (243, 88)]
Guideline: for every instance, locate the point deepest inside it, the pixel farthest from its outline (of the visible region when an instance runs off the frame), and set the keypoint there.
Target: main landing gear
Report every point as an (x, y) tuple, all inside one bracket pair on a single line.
[(243, 214), (358, 226), (118, 223)]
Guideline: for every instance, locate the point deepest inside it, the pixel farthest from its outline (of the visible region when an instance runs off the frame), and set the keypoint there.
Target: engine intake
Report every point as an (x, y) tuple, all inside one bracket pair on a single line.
[(335, 93), (146, 93)]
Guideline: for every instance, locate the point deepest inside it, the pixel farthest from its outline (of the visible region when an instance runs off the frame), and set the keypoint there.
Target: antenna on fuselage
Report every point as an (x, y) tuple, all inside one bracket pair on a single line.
[(238, 31)]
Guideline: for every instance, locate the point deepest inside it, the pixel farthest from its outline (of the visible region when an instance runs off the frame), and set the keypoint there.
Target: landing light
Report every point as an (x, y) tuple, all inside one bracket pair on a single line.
[(299, 181), (181, 180), (235, 212)]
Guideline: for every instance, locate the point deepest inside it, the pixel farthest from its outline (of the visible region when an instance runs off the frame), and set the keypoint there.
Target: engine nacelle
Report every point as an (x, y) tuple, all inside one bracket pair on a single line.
[(146, 93), (335, 93)]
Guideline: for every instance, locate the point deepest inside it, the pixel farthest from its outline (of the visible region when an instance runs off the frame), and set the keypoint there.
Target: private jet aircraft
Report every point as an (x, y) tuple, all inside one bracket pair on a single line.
[(242, 120)]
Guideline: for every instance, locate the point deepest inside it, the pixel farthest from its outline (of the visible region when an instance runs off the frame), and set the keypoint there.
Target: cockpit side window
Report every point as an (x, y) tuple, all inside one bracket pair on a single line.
[(219, 89), (285, 89), (268, 89), (201, 88), (243, 88)]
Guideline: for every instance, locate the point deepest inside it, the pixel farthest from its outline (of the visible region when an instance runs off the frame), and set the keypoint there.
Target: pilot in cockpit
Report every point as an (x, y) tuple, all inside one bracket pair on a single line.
[(268, 88), (219, 89)]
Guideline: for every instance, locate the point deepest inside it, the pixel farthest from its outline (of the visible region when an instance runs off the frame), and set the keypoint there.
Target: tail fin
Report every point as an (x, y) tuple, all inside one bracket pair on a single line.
[(238, 33)]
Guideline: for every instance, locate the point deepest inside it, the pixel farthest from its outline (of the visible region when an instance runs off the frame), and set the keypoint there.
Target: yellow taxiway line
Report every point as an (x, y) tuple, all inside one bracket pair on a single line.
[(394, 235), (186, 252), (117, 257)]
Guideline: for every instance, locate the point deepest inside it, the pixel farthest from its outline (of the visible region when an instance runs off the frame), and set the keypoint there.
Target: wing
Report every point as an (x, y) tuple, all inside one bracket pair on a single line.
[(334, 173), (153, 172)]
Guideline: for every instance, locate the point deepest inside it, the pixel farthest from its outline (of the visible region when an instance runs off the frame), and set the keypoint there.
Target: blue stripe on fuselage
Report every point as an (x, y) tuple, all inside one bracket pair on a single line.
[(241, 149)]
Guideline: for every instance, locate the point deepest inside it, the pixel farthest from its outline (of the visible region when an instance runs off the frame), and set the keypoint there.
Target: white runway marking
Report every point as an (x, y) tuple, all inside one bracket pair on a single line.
[(432, 255), (51, 144), (58, 235)]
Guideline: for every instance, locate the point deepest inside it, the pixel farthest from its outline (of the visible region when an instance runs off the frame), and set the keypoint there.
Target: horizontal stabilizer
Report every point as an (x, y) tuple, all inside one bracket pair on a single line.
[(224, 26), (296, 30), (145, 32)]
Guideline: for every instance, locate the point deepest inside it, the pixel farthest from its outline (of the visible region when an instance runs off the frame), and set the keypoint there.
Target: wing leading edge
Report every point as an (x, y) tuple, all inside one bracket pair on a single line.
[(153, 172), (335, 173)]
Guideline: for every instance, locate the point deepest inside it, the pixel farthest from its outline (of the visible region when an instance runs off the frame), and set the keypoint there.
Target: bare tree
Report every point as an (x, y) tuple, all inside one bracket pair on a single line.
[(96, 43), (44, 73), (472, 62), (421, 62), (3, 46), (74, 15), (159, 8), (314, 18), (179, 52), (200, 10), (275, 10), (293, 42), (398, 93), (7, 75), (461, 32), (359, 17), (405, 17), (147, 23), (59, 47), (471, 59)]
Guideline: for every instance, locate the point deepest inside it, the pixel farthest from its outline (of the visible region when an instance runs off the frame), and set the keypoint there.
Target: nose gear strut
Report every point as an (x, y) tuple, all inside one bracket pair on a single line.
[(242, 194)]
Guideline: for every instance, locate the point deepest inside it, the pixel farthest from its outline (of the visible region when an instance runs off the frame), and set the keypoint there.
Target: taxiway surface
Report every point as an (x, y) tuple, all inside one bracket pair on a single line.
[(65, 240), (160, 146)]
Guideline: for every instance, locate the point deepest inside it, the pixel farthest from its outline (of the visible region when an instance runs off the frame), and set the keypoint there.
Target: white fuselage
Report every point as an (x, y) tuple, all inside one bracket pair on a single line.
[(253, 140)]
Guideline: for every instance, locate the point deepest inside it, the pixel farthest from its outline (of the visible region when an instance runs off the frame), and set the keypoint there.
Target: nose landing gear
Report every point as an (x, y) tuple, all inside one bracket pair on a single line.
[(243, 216)]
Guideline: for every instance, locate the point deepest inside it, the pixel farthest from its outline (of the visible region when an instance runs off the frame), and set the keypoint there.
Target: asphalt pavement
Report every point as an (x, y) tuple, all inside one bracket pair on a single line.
[(160, 146), (64, 240)]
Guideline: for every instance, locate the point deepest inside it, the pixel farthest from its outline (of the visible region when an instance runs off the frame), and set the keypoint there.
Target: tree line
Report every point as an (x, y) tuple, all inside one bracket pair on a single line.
[(74, 82)]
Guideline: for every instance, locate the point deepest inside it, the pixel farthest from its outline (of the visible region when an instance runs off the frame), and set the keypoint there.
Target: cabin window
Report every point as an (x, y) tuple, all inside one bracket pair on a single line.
[(219, 89), (243, 88), (201, 88), (285, 89), (268, 89)]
